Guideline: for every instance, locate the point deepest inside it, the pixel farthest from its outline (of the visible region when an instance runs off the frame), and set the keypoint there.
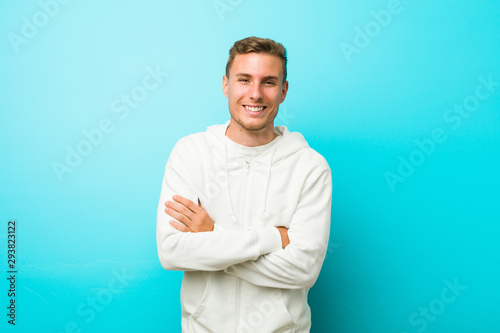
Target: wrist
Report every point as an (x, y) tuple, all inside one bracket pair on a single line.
[(284, 236)]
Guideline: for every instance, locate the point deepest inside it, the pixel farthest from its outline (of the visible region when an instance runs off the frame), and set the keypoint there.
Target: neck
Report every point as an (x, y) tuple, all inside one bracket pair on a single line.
[(250, 138)]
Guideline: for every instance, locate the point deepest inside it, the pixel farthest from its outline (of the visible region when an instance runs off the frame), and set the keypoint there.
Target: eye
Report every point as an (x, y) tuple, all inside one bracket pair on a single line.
[(243, 80), (269, 83)]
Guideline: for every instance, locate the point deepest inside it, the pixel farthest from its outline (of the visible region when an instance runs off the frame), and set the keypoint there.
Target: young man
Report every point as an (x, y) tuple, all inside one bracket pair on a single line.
[(244, 208)]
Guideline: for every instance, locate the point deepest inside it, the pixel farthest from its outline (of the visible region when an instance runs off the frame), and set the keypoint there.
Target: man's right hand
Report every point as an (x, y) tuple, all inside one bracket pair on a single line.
[(194, 217), (284, 236)]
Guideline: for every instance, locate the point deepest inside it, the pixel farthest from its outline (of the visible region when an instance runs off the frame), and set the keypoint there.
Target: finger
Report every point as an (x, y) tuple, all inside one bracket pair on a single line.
[(181, 209), (179, 226), (186, 202), (178, 216)]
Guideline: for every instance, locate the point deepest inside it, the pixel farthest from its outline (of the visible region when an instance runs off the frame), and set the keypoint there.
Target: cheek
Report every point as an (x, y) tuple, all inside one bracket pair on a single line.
[(275, 97), (236, 94)]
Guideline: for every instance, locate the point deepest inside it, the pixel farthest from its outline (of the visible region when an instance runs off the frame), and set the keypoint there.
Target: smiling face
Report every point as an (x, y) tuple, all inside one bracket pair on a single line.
[(254, 89)]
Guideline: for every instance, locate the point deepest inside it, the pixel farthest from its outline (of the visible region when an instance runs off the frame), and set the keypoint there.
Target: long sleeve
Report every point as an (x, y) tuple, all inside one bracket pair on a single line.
[(299, 264), (206, 251)]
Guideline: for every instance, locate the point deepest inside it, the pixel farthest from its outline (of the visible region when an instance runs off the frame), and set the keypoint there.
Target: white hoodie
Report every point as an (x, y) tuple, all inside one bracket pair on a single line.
[(238, 279)]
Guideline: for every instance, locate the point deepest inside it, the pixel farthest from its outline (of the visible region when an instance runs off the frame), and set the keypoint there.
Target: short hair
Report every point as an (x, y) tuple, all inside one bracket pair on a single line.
[(257, 45)]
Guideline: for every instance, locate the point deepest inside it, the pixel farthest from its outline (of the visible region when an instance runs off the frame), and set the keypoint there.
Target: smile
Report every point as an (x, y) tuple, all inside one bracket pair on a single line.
[(254, 109)]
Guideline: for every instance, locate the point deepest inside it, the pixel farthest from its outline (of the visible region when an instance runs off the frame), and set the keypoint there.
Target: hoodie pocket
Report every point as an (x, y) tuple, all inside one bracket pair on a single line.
[(229, 304), (290, 324), (200, 306), (265, 311), (216, 309)]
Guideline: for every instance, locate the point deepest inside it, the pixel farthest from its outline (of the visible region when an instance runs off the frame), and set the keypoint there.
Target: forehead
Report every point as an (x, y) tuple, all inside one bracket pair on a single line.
[(257, 64)]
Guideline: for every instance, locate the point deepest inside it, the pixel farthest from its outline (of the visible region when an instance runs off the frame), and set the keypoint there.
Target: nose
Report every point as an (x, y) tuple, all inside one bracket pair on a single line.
[(256, 92)]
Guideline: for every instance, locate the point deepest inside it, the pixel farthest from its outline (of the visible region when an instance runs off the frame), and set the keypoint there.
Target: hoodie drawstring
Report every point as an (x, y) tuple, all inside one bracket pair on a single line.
[(263, 214), (231, 209)]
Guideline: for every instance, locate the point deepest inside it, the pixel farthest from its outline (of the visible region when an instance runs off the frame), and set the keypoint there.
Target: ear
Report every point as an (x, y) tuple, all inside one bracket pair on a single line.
[(225, 83), (284, 90)]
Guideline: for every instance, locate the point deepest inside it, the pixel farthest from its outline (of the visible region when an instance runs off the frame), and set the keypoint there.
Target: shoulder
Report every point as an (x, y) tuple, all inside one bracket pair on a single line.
[(316, 162), (294, 145), (192, 142), (199, 145), (201, 139)]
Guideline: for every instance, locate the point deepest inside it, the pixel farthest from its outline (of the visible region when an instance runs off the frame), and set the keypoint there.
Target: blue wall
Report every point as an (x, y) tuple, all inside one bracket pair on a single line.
[(400, 97)]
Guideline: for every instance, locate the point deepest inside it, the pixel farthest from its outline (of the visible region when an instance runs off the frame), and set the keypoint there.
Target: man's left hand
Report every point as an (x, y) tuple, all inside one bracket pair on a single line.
[(194, 217)]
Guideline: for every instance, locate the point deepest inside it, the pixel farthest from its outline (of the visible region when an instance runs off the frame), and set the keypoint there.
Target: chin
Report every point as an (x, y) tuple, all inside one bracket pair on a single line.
[(255, 126)]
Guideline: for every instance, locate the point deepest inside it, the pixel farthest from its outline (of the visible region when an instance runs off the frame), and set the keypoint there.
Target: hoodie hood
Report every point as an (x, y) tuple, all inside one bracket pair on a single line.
[(290, 143)]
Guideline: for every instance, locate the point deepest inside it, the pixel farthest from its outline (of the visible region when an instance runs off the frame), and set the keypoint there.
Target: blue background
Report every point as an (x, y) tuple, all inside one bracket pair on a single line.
[(89, 235)]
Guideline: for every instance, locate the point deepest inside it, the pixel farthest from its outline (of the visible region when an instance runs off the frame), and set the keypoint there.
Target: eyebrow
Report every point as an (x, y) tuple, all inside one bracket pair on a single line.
[(269, 77)]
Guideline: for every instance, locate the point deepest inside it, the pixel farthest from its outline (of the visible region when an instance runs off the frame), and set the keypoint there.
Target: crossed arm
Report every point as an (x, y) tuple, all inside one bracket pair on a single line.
[(290, 258), (194, 218)]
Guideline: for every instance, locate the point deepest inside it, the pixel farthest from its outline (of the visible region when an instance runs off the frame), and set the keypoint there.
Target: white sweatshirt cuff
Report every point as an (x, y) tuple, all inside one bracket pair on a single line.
[(217, 227), (268, 239)]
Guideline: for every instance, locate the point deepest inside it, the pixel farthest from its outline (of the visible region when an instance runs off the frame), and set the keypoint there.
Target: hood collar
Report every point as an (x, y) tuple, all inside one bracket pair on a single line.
[(290, 143)]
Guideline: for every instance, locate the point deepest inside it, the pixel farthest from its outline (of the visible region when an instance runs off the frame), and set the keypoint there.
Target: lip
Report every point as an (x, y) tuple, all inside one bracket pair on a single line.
[(254, 114)]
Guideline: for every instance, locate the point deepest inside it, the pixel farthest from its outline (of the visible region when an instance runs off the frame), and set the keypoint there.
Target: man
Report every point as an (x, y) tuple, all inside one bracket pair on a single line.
[(245, 208)]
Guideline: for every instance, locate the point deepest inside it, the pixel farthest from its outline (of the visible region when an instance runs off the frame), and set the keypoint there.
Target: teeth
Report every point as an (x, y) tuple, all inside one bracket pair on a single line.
[(254, 109)]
